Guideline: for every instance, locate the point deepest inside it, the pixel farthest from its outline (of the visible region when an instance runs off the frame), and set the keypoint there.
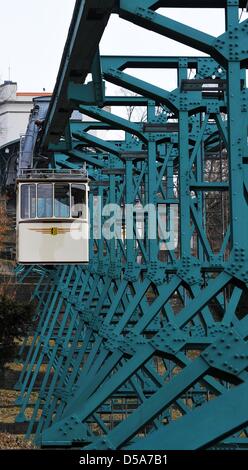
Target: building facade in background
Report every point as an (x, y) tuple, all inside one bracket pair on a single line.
[(15, 108)]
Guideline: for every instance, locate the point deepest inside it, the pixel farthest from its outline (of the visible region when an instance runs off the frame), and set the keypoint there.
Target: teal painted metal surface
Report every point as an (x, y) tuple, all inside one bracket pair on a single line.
[(148, 343)]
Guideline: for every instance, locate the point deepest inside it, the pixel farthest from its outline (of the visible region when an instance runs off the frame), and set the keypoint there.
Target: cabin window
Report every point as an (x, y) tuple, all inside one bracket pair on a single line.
[(61, 200), (78, 201), (44, 200), (28, 201), (53, 200)]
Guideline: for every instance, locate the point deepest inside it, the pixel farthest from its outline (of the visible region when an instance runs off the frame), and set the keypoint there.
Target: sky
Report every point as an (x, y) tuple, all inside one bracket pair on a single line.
[(33, 35)]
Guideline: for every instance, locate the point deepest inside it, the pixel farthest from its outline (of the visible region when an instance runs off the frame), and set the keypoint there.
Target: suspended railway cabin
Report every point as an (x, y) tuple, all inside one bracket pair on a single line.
[(52, 217)]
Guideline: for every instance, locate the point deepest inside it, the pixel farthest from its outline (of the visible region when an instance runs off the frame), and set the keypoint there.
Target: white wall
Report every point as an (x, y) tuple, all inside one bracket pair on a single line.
[(14, 113)]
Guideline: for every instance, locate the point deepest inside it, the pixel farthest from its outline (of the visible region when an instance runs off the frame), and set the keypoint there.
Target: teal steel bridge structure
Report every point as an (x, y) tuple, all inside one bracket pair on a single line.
[(146, 346)]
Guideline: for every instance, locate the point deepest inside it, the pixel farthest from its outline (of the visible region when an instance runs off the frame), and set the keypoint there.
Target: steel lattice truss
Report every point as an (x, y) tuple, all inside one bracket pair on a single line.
[(146, 347)]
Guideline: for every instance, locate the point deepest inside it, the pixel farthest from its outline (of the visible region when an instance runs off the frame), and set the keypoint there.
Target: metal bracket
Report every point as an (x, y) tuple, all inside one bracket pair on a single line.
[(229, 353)]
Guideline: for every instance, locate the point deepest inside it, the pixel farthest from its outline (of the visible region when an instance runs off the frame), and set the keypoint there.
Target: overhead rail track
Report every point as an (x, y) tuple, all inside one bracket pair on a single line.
[(147, 342)]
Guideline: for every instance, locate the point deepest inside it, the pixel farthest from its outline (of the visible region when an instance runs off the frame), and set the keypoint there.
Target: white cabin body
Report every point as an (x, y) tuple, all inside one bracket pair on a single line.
[(52, 218)]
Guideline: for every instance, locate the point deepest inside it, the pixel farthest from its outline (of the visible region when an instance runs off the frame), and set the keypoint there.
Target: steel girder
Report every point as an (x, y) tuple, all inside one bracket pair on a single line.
[(149, 341)]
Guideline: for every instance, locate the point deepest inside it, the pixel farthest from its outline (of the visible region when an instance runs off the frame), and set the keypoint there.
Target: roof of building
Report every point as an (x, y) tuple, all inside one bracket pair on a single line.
[(29, 93)]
